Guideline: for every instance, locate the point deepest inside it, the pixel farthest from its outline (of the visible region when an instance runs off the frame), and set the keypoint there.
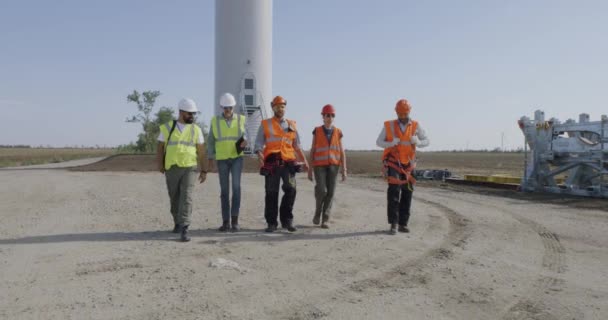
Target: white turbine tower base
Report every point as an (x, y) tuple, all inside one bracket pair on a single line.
[(243, 58)]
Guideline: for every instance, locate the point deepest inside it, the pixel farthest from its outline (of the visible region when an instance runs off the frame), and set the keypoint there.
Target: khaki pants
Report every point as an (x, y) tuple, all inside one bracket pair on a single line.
[(325, 187), (180, 184)]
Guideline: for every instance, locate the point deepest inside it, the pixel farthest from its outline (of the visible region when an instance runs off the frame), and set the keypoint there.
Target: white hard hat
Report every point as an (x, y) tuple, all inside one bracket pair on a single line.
[(227, 100), (187, 105)]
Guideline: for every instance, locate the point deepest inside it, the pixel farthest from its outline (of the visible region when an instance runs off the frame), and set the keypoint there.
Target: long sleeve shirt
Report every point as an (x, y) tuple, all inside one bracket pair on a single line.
[(420, 134), (260, 140), (211, 137)]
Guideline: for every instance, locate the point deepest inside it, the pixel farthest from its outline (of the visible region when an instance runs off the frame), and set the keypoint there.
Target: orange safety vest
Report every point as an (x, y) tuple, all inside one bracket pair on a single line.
[(400, 157), (327, 152), (279, 141), (405, 151)]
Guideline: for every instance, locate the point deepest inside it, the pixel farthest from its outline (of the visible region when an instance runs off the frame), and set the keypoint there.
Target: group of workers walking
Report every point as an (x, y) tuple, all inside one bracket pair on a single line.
[(181, 148)]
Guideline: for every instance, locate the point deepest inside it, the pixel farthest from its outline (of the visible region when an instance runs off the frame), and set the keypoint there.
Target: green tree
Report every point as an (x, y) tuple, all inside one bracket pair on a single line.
[(164, 115), (145, 101)]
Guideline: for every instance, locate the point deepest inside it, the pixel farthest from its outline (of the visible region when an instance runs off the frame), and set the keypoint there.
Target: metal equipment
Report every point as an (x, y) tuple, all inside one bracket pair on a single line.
[(574, 149), (432, 174)]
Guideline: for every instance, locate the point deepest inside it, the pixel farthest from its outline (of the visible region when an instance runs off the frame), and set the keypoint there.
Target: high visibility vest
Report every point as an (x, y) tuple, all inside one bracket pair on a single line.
[(327, 152), (279, 141), (181, 149), (225, 138), (405, 151)]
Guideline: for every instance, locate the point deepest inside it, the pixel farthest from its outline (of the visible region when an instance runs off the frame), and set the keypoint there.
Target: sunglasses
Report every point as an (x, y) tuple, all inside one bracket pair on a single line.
[(329, 115), (190, 113)]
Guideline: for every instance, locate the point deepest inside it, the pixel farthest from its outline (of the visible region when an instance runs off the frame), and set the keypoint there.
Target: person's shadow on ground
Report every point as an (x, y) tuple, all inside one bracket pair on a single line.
[(245, 235)]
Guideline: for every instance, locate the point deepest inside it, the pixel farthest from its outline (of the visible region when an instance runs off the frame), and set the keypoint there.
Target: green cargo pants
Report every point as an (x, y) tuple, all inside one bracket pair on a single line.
[(180, 184), (325, 187)]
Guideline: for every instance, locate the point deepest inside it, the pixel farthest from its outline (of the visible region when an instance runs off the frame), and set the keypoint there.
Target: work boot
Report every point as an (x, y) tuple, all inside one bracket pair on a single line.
[(316, 220), (393, 229), (235, 224), (324, 224), (289, 226), (403, 228), (225, 226), (271, 228), (176, 229), (184, 237)]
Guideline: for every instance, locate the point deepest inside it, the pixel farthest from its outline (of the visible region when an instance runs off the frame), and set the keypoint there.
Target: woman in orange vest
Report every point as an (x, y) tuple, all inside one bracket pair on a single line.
[(400, 138), (327, 157)]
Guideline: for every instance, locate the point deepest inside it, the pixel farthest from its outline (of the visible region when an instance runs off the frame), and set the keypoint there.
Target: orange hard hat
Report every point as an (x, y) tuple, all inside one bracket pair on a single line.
[(328, 109), (403, 106), (278, 100)]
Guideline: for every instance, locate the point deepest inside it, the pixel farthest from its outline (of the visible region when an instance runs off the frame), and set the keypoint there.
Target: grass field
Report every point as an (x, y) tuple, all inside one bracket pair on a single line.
[(13, 157), (361, 163), (484, 163), (460, 163)]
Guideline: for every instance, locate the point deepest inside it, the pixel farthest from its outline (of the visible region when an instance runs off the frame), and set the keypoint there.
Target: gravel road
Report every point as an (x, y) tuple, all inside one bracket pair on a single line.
[(96, 245)]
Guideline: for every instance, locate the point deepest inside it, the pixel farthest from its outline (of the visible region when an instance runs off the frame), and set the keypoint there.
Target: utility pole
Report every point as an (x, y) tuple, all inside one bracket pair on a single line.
[(502, 141)]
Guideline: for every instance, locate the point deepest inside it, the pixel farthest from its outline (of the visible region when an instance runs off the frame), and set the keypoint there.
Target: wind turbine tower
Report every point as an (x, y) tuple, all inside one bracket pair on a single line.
[(243, 58)]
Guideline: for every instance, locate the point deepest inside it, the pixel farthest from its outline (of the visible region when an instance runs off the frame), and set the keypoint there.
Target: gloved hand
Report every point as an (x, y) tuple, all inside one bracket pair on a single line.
[(415, 140), (395, 142)]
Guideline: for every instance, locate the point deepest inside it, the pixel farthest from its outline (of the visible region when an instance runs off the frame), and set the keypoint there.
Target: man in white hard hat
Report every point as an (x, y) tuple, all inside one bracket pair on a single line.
[(225, 144), (180, 148)]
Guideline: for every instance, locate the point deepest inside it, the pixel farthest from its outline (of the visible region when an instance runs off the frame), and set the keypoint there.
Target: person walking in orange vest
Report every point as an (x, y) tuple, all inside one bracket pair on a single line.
[(327, 156), (400, 138), (280, 156)]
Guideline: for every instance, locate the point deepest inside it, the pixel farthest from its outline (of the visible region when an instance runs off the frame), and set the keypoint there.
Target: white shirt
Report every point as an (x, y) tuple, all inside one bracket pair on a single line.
[(180, 126)]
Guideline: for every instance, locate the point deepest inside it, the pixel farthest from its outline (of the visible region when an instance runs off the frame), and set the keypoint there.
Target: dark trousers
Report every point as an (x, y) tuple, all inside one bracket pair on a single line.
[(273, 182), (399, 200)]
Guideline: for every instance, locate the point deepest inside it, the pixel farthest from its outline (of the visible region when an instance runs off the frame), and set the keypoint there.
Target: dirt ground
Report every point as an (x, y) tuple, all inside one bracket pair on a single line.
[(95, 245)]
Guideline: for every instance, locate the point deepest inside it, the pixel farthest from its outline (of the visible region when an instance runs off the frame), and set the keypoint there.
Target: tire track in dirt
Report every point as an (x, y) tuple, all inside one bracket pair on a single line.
[(413, 272), (408, 274), (553, 260), (457, 235)]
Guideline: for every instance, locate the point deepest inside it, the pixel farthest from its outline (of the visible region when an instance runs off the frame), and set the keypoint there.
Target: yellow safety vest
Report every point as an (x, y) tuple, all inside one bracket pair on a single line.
[(181, 149), (225, 138)]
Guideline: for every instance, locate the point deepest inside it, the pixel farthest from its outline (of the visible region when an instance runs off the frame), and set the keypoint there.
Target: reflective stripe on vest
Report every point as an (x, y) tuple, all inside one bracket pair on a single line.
[(220, 137), (404, 151), (326, 152), (226, 137), (190, 143), (273, 137), (394, 133), (327, 148), (181, 149), (330, 156), (279, 142)]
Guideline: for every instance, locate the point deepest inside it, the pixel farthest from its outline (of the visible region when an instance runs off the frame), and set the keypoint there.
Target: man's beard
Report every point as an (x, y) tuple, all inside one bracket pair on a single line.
[(189, 120)]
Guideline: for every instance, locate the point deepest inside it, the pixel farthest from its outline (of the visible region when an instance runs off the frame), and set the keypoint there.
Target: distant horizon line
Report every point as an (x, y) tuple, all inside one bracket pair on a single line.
[(25, 146)]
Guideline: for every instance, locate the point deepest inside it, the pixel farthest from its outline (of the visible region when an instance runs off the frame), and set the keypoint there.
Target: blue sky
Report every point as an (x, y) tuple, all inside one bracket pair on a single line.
[(470, 69)]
